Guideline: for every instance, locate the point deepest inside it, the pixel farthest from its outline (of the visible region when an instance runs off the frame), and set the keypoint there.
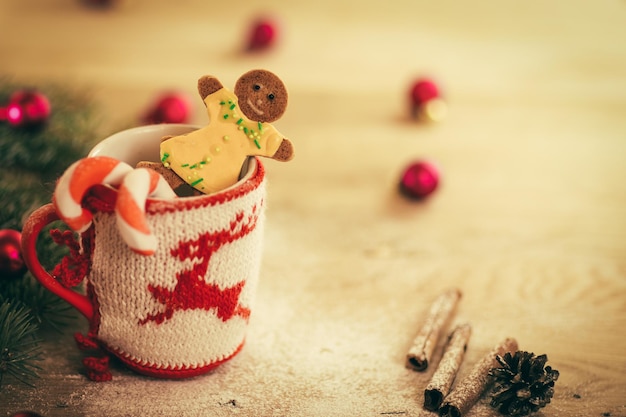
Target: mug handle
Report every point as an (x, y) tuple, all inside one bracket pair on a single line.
[(35, 222)]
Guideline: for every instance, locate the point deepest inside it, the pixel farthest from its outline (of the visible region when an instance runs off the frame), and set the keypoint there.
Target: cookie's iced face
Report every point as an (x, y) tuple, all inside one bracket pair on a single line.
[(262, 96)]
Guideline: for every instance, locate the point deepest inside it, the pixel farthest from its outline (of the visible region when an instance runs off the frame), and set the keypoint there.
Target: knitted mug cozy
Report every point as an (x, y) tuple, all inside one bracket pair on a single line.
[(182, 311)]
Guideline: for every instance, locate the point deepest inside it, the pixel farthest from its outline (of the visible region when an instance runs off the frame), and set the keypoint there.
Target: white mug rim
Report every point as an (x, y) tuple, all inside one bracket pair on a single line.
[(118, 146)]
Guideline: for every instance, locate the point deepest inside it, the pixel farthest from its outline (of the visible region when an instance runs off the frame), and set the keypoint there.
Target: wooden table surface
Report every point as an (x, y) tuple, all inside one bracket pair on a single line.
[(529, 222)]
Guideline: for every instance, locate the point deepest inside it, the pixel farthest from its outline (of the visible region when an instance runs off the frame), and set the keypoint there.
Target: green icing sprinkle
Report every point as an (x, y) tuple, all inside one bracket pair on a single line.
[(248, 131), (165, 156), (184, 165), (196, 182)]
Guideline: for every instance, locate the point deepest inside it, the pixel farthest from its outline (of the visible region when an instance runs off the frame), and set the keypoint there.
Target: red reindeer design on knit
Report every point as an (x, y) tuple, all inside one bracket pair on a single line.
[(192, 290)]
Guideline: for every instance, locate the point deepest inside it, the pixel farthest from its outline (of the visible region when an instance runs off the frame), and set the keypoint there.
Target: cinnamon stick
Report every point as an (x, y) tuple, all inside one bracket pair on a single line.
[(442, 379), (469, 390), (439, 315)]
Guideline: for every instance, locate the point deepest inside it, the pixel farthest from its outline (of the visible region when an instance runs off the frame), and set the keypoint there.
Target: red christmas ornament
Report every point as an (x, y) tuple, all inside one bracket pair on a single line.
[(263, 35), (11, 262), (26, 108), (169, 108), (426, 102), (419, 180)]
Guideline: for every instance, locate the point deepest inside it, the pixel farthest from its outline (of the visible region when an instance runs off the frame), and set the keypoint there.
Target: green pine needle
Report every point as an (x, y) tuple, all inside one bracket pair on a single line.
[(45, 308), (20, 193), (19, 344)]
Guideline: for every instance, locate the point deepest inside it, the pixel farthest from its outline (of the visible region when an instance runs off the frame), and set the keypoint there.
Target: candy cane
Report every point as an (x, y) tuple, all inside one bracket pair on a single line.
[(136, 187), (76, 181)]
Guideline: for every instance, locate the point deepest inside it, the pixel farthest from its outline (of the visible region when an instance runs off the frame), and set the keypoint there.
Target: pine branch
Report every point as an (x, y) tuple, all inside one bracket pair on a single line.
[(45, 308), (19, 344), (21, 193)]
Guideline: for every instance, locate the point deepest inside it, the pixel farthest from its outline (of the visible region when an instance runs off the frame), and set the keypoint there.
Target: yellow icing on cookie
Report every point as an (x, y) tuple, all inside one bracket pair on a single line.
[(210, 159)]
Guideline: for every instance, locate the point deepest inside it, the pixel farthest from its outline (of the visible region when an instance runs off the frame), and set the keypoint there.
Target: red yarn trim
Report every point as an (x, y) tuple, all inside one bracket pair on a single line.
[(98, 368), (94, 323), (74, 267), (100, 198), (171, 372), (85, 342)]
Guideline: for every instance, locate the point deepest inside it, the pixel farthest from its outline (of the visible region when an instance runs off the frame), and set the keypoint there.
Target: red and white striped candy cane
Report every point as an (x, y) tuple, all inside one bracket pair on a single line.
[(77, 179), (130, 207)]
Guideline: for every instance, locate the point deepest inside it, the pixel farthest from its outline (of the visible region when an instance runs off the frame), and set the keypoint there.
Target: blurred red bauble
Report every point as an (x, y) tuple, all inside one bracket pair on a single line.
[(11, 262), (263, 35), (419, 180), (169, 108), (26, 108), (423, 90), (426, 102)]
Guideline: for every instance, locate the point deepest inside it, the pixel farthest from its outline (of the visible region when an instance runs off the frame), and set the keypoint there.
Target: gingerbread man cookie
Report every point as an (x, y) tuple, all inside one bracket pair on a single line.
[(210, 159)]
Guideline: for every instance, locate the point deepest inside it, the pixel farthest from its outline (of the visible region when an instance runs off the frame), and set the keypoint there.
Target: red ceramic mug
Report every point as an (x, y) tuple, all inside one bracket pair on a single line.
[(183, 310)]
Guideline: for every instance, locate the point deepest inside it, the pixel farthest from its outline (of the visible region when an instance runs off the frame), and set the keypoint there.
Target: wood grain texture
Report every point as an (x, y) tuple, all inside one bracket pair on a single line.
[(529, 221)]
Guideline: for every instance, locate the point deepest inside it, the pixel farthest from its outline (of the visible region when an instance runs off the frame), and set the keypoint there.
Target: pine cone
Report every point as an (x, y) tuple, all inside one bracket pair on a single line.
[(522, 385)]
